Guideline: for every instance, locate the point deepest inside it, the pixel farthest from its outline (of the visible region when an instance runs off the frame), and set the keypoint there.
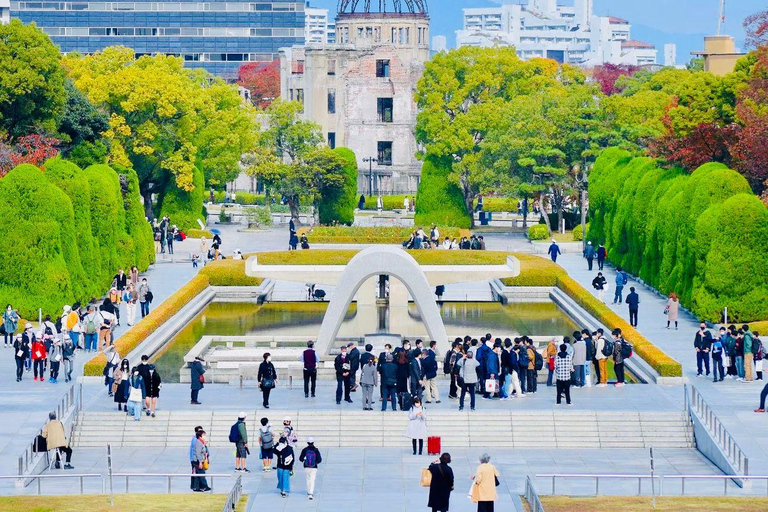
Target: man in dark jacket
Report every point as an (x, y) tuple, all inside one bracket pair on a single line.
[(310, 457), (389, 381), (633, 301), (309, 358), (430, 374), (589, 253), (416, 374), (196, 370), (379, 365), (368, 354), (354, 365), (601, 254), (451, 358), (554, 251), (703, 345), (417, 350), (343, 368)]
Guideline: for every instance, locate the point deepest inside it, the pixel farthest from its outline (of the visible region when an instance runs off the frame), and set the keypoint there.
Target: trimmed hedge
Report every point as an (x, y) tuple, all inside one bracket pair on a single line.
[(535, 271), (136, 225), (244, 198), (342, 257), (499, 204), (538, 232), (338, 206), (439, 201), (388, 202), (372, 235), (184, 208), (676, 232), (651, 354), (199, 233), (229, 272), (159, 315), (578, 235)]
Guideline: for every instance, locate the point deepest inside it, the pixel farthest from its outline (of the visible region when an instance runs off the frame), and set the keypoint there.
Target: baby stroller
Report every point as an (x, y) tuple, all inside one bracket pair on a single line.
[(318, 294)]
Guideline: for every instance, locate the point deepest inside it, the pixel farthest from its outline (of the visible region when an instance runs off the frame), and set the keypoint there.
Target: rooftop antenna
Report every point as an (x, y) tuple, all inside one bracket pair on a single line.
[(721, 18)]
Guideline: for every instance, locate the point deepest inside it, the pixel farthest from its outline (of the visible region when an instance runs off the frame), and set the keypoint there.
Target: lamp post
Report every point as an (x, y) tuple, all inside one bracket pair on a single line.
[(580, 175), (370, 161)]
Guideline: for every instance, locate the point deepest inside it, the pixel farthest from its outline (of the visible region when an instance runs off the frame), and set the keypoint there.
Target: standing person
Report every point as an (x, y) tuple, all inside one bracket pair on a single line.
[(484, 488), (579, 361), (53, 433), (449, 364), (589, 253), (672, 309), (759, 351), (311, 458), (750, 348), (406, 204), (717, 359), (417, 425), (563, 370), (599, 283), (430, 374), (169, 239), (10, 324), (342, 367), (369, 381), (120, 281), (468, 377), (107, 316), (200, 462), (266, 444), (621, 280), (354, 365), (361, 202), (403, 373), (389, 382), (153, 384), (603, 350), (197, 379), (71, 324), (39, 355), (739, 351), (157, 235), (284, 453), (137, 392), (442, 484), (54, 360), (522, 363), (134, 277), (130, 297), (204, 249), (379, 203), (618, 357), (68, 357), (493, 370), (416, 374), (145, 297), (702, 342), (309, 358), (601, 254), (267, 378), (238, 434), (549, 357), (120, 384), (21, 348), (532, 374), (91, 323), (554, 251), (729, 350), (379, 365), (633, 301)]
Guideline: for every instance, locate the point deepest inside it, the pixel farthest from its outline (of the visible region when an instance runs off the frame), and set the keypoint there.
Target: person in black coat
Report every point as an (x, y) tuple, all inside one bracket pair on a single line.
[(153, 383), (267, 378), (403, 370), (354, 365), (197, 381), (442, 484), (389, 382), (416, 374), (342, 366)]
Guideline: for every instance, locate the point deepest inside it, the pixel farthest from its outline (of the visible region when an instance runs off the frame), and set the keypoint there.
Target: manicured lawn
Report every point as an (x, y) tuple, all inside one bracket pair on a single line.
[(372, 235), (342, 257), (643, 504), (198, 502)]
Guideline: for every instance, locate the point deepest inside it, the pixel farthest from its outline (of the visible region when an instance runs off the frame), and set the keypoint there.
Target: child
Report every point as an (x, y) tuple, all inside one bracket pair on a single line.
[(266, 443), (195, 259)]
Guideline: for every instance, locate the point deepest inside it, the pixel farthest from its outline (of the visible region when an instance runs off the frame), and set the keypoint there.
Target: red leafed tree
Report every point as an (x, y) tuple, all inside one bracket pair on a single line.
[(756, 27), (262, 79), (749, 151), (706, 142), (30, 149), (607, 74)]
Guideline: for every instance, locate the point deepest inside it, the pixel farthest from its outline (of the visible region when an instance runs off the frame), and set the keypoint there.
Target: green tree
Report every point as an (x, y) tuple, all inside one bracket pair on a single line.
[(32, 91), (337, 204)]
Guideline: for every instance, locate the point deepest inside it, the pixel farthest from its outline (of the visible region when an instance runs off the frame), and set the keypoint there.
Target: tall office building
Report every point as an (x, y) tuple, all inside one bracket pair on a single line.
[(565, 33), (5, 11), (315, 25), (216, 36)]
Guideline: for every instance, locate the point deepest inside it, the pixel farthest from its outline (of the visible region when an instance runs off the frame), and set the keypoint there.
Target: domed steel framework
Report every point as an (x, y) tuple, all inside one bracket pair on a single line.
[(395, 6)]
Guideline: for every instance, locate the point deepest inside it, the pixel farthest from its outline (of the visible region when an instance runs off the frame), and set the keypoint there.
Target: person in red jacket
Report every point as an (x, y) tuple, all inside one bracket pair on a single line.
[(39, 355)]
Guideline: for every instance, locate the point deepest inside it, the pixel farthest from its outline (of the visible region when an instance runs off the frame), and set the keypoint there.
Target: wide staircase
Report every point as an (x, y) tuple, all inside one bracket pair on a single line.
[(518, 429)]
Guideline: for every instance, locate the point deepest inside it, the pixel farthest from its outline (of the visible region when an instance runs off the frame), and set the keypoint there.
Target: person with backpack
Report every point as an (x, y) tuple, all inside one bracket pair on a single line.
[(285, 459), (759, 355), (54, 360), (564, 370), (603, 350), (145, 297), (311, 457), (589, 254), (21, 347), (238, 434), (579, 360), (266, 444), (449, 364), (39, 354), (621, 280), (68, 357), (535, 363), (621, 351), (108, 322), (702, 342), (91, 323), (750, 350), (717, 359), (309, 358), (468, 374), (601, 255)]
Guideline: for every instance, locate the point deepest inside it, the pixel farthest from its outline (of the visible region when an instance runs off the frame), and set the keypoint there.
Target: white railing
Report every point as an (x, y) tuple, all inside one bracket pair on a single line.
[(732, 451), (532, 497), (661, 479), (40, 478), (168, 477), (597, 478), (234, 496)]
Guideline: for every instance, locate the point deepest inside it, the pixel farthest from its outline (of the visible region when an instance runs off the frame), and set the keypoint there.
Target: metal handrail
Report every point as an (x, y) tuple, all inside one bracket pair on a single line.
[(732, 451), (233, 498), (531, 496), (724, 478), (597, 477), (169, 476), (62, 475)]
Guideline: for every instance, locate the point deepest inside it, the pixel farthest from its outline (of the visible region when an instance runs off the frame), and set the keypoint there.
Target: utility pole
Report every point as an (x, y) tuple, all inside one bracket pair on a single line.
[(370, 161), (721, 17)]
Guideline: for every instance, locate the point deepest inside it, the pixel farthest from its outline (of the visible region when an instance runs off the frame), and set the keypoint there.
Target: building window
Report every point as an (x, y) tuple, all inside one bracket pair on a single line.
[(385, 152), (332, 140), (331, 101), (331, 67), (382, 68), (297, 67), (384, 110)]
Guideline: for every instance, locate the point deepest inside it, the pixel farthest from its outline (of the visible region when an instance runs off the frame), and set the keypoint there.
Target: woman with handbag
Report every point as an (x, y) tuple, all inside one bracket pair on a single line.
[(441, 485), (153, 385), (120, 384), (201, 462), (136, 394), (485, 481), (417, 425), (267, 378), (197, 381), (672, 309)]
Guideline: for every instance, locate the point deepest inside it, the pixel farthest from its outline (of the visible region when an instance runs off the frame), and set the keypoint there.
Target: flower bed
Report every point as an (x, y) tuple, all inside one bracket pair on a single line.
[(372, 235)]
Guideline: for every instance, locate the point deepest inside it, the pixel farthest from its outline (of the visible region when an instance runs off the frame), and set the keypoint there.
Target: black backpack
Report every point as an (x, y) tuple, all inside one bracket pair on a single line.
[(234, 433), (539, 361), (756, 344), (626, 349), (607, 348), (523, 357), (58, 324)]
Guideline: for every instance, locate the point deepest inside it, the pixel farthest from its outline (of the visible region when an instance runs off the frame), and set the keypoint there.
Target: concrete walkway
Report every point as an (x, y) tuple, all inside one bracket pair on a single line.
[(732, 401)]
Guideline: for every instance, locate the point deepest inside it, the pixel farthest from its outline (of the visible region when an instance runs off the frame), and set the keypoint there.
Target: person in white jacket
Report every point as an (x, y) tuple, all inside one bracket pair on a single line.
[(417, 425)]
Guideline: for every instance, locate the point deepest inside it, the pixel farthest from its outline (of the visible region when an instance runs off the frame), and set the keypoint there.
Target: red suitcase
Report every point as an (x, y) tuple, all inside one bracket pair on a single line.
[(433, 445)]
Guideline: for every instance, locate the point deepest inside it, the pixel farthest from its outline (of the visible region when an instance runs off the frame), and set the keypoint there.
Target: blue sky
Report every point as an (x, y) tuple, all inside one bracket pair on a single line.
[(684, 22)]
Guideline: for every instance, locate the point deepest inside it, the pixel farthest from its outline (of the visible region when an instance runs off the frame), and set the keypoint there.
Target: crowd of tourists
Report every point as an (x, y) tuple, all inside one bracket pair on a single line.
[(420, 240)]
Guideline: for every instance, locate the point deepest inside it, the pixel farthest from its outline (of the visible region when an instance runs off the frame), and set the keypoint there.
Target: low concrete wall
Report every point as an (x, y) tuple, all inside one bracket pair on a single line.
[(708, 447)]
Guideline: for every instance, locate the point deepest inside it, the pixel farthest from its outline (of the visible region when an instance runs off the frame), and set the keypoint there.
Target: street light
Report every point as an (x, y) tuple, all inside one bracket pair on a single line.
[(580, 175), (370, 161)]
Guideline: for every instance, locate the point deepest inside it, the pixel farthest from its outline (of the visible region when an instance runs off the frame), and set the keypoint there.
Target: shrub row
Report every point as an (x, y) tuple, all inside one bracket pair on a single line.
[(199, 233), (244, 198), (388, 202), (535, 271), (499, 204), (372, 235), (702, 235), (229, 272), (538, 232), (67, 232), (147, 325), (337, 206), (342, 257), (439, 200)]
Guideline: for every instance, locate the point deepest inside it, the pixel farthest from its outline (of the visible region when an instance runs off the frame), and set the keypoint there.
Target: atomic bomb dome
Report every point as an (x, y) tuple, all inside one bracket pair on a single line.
[(382, 6)]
